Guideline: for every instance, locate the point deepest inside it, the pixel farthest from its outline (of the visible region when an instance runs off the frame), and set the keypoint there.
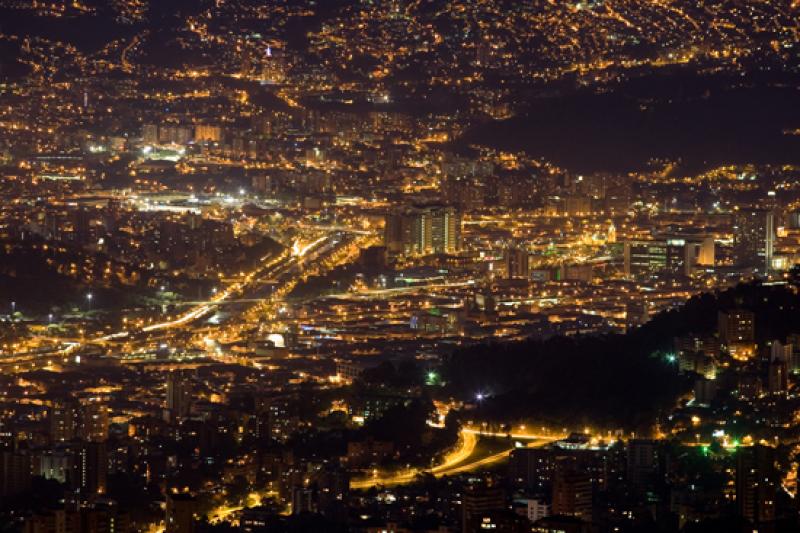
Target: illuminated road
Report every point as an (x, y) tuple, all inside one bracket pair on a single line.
[(518, 435), (278, 266), (293, 263), (456, 462), (466, 447), (227, 513)]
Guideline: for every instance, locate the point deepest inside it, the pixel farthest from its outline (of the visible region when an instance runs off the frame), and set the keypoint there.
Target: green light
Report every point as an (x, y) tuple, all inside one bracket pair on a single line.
[(433, 377)]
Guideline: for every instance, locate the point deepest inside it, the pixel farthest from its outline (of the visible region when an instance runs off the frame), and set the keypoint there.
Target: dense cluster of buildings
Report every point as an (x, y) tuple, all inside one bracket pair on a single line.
[(239, 239)]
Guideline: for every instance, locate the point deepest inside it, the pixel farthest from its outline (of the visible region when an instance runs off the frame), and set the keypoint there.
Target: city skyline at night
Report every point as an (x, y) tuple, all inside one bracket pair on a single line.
[(399, 266)]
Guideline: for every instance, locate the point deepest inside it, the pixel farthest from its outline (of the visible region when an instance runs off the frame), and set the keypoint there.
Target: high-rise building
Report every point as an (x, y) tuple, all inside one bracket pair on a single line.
[(181, 511), (736, 326), (538, 508), (207, 133), (518, 191), (95, 421), (756, 483), (92, 465), (789, 352), (781, 352), (778, 377), (572, 489), (15, 473), (532, 467), (461, 192), (423, 230), (104, 516), (637, 313), (64, 420), (577, 205), (517, 263), (51, 521), (794, 220), (479, 500), (677, 256), (58, 465), (179, 395), (754, 238), (274, 66), (645, 258), (781, 360), (150, 134), (643, 462)]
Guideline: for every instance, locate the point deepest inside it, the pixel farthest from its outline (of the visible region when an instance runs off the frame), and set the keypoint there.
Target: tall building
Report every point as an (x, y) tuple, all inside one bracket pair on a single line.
[(736, 327), (677, 256), (781, 352), (92, 465), (532, 467), (15, 473), (179, 395), (423, 230), (644, 257), (64, 420), (104, 516), (181, 511), (754, 238), (518, 191), (778, 377), (788, 353), (637, 313), (477, 501), (517, 263), (642, 463), (95, 421), (207, 133), (577, 205), (150, 134), (794, 220), (537, 508), (58, 465), (756, 483), (572, 489), (274, 67), (461, 192), (780, 364)]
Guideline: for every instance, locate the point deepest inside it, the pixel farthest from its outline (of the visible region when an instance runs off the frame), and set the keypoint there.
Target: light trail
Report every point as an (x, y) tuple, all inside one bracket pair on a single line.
[(301, 252), (455, 462), (467, 443), (224, 512), (519, 436), (223, 296)]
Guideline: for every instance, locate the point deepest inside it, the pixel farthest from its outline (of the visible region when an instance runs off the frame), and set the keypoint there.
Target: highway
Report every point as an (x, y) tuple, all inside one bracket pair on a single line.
[(287, 268), (461, 459)]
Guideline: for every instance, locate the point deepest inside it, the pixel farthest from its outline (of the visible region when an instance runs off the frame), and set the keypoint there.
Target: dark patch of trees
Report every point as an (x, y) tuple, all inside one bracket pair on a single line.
[(608, 381)]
